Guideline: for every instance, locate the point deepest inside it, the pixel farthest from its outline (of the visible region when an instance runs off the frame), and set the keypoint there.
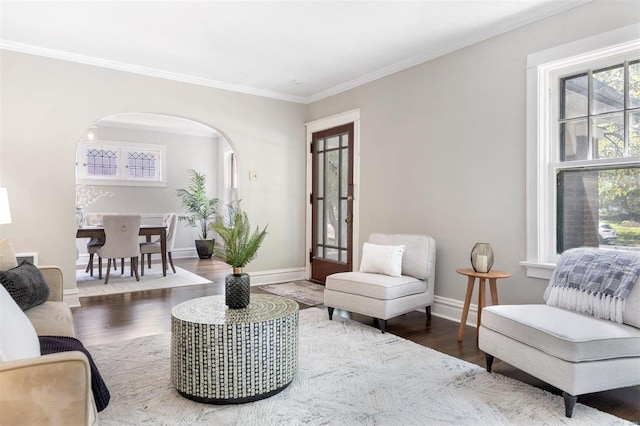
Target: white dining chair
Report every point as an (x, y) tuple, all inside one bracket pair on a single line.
[(121, 240), (170, 220)]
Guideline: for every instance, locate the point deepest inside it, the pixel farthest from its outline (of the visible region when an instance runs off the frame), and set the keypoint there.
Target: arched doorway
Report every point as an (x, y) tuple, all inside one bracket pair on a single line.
[(135, 162)]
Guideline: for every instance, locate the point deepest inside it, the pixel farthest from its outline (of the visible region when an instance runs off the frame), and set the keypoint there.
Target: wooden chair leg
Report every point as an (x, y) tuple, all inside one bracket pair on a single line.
[(106, 280), (142, 264), (89, 264), (99, 267), (171, 262), (134, 262), (148, 261), (122, 266)]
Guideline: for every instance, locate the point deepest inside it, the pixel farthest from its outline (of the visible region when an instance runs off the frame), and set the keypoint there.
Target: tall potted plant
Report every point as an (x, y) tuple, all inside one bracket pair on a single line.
[(200, 210), (239, 245)]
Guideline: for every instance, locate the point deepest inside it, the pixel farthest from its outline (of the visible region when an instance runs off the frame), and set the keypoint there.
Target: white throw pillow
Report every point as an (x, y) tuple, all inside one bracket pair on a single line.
[(7, 255), (385, 260), (18, 338)]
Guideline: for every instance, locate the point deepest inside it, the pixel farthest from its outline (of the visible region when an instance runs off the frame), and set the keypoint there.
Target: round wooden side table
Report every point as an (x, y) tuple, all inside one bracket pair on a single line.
[(232, 356), (493, 275)]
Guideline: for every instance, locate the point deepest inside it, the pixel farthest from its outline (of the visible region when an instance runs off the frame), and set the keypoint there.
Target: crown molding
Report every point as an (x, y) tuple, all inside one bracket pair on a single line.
[(137, 69), (517, 21)]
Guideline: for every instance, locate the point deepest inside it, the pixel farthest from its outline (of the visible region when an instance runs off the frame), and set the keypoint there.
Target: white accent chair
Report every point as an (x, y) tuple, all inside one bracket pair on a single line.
[(573, 352), (169, 220), (381, 296), (122, 240)]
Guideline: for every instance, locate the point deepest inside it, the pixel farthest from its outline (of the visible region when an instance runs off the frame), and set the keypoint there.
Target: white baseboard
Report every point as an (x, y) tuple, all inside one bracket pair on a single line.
[(451, 309), (72, 297), (277, 276)]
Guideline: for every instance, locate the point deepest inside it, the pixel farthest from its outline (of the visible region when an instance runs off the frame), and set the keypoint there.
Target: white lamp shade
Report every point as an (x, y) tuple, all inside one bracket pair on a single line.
[(5, 213)]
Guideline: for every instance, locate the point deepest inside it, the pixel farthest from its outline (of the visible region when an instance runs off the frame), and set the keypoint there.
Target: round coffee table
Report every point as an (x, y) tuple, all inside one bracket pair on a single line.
[(232, 356)]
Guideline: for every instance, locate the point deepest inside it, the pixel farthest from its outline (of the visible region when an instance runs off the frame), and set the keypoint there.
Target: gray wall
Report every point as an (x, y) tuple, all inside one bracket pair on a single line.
[(47, 105), (449, 135)]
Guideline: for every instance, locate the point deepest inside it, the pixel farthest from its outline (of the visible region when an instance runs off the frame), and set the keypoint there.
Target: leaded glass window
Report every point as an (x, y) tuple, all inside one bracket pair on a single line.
[(102, 162), (141, 164)]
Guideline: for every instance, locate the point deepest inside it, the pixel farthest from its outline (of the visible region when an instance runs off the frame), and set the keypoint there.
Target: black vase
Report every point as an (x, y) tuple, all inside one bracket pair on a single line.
[(205, 248), (236, 290)]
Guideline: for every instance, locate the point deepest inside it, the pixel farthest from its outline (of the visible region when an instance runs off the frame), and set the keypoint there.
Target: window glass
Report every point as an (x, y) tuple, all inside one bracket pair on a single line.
[(598, 198), (608, 90), (575, 96)]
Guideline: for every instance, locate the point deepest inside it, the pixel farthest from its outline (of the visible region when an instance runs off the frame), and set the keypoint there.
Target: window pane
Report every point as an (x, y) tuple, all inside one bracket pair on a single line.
[(608, 90), (598, 207), (575, 90), (574, 141), (102, 162), (142, 164), (634, 84), (634, 134), (332, 142), (608, 136)]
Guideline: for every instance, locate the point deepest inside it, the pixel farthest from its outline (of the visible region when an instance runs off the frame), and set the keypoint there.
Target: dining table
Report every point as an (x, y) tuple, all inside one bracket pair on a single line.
[(91, 231)]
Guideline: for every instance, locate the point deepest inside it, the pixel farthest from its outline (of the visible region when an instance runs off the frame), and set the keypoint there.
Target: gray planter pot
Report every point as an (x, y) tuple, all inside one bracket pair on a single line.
[(203, 247), (237, 290)]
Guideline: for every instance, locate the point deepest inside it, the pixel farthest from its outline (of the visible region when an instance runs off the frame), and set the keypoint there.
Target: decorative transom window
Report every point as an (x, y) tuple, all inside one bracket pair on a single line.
[(583, 155), (117, 163)]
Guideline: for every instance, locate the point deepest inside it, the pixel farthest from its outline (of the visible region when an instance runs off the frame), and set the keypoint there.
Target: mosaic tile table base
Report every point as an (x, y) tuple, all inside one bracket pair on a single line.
[(232, 356)]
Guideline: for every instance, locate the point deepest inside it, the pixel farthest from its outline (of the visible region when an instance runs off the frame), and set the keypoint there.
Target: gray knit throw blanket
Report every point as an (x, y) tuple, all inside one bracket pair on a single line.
[(594, 282)]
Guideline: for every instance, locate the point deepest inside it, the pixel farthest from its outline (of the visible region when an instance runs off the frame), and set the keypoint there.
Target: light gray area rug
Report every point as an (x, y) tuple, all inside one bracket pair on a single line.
[(302, 291), (92, 286), (349, 374)]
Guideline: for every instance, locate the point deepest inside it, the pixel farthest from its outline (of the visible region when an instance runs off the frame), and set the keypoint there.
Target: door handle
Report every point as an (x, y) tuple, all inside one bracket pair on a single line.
[(348, 219)]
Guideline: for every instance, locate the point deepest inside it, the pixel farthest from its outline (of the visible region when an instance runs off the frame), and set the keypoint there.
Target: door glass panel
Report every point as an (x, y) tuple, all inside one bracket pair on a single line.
[(320, 180), (344, 174), (344, 140), (320, 222), (608, 136), (608, 90), (332, 142), (331, 195), (319, 251), (343, 224), (331, 254)]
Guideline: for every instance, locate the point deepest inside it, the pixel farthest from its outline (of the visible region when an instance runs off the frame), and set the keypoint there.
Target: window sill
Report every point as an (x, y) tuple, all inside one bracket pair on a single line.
[(539, 270)]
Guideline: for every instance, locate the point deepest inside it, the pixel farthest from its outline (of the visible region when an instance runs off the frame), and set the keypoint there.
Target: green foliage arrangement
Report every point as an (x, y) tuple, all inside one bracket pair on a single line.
[(199, 207), (239, 244)]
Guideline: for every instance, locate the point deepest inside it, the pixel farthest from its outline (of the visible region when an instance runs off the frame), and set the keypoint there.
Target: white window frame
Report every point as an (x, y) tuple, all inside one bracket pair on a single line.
[(122, 178), (543, 71)]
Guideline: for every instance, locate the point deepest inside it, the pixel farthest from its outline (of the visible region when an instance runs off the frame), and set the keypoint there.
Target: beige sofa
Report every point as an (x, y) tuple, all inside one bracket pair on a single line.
[(51, 389)]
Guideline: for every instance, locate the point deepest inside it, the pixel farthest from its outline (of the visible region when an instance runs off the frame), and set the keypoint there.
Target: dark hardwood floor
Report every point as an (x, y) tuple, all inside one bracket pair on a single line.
[(111, 318)]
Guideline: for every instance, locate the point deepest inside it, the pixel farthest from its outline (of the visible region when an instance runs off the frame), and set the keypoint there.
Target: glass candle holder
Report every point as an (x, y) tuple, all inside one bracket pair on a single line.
[(482, 257)]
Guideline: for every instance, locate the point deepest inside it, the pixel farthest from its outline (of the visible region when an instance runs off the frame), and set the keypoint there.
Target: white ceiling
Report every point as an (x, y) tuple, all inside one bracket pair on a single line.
[(299, 51)]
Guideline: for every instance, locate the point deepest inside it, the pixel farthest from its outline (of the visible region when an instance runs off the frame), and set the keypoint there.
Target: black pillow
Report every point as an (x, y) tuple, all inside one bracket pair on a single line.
[(26, 284)]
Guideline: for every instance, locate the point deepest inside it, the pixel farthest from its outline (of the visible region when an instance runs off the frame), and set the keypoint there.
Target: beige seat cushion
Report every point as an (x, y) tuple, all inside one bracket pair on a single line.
[(52, 319), (377, 286), (564, 334)]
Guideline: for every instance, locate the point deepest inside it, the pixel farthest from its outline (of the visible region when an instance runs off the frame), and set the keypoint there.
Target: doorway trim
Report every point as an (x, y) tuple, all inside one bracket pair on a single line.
[(351, 116)]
